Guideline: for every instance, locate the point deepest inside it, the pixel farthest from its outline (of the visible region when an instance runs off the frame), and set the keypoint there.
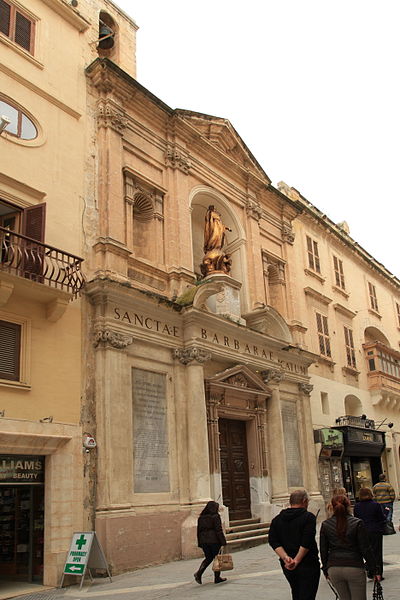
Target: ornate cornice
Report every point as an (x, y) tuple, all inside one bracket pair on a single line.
[(177, 159), (271, 376), (253, 209), (110, 115), (288, 234), (108, 338), (187, 355), (306, 388)]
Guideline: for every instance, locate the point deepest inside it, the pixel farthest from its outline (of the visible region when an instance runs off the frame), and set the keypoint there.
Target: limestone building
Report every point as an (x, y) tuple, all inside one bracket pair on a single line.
[(45, 46), (349, 306)]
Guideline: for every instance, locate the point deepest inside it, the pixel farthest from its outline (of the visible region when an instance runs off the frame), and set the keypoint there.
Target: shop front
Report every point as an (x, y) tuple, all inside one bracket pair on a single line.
[(329, 460), (21, 517), (363, 448)]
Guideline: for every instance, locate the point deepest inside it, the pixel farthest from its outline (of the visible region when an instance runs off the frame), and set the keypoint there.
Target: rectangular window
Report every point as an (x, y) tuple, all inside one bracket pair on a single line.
[(313, 256), (372, 296), (324, 403), (339, 275), (350, 352), (323, 335), (398, 313), (16, 26), (10, 350)]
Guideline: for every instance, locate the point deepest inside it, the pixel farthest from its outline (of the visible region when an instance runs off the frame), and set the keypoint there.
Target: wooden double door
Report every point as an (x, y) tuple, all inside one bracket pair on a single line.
[(234, 468)]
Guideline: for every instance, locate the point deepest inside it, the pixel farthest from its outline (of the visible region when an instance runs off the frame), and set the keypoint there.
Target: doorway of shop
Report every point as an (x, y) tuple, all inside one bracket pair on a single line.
[(21, 532), (234, 468)]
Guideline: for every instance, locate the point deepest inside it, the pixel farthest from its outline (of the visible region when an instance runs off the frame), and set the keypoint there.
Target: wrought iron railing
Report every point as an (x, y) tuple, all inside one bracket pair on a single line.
[(25, 257), (351, 420)]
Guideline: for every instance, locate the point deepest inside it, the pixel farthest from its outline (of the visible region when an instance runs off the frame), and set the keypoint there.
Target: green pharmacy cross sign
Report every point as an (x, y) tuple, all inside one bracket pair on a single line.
[(85, 553)]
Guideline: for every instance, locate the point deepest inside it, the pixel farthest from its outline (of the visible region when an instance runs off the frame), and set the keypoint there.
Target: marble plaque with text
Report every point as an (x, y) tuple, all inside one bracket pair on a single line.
[(292, 445), (150, 432)]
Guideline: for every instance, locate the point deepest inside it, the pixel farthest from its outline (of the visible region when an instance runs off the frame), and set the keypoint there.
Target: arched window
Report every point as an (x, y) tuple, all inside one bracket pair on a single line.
[(20, 126)]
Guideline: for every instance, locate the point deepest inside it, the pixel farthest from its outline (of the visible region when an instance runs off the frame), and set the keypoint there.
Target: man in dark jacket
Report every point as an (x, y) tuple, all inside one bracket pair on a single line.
[(292, 537)]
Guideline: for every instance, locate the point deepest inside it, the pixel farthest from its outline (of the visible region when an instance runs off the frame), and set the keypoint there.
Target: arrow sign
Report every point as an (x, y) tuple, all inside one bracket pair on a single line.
[(74, 569)]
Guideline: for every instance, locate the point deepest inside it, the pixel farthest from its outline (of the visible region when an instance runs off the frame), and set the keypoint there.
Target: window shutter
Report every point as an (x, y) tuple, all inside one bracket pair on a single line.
[(34, 221), (5, 12), (23, 31), (10, 345)]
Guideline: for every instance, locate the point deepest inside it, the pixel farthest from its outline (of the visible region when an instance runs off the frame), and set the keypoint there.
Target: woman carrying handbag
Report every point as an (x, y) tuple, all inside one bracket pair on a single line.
[(210, 538)]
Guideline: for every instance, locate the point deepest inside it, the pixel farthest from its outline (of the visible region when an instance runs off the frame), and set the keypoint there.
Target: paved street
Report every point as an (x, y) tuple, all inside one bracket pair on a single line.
[(256, 576)]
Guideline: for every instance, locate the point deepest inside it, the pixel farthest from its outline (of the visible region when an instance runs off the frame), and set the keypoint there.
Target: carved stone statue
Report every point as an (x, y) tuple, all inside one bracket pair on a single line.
[(215, 259)]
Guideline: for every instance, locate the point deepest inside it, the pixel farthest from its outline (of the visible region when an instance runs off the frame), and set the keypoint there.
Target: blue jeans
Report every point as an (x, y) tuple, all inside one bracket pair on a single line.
[(387, 508)]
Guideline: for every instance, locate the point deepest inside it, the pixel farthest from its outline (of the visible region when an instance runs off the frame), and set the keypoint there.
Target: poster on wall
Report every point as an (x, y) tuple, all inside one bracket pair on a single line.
[(150, 432)]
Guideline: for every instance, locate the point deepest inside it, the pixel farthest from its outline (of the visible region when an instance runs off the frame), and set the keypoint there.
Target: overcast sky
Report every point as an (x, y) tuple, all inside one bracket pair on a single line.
[(311, 86)]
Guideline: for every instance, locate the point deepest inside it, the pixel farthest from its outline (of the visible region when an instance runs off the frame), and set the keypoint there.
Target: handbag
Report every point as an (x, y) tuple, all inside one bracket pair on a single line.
[(377, 594), (222, 562), (388, 528)]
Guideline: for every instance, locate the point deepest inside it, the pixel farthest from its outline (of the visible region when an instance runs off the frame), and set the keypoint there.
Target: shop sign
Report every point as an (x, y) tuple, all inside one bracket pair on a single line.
[(331, 437), (15, 469), (85, 552)]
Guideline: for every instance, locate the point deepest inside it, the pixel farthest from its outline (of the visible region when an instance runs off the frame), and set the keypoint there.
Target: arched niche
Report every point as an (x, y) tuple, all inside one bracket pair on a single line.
[(372, 335), (352, 406), (200, 199)]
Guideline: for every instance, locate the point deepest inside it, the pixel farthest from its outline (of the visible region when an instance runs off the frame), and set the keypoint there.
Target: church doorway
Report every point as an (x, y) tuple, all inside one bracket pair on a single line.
[(234, 468)]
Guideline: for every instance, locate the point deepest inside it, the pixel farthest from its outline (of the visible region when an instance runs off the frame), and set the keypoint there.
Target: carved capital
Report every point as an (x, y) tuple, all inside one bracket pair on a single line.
[(177, 158), (110, 115), (271, 376), (288, 234), (188, 355), (253, 209), (306, 388), (108, 338)]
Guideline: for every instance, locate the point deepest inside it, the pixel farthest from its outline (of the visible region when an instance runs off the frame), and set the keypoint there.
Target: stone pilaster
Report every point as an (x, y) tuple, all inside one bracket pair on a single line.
[(277, 446), (310, 466)]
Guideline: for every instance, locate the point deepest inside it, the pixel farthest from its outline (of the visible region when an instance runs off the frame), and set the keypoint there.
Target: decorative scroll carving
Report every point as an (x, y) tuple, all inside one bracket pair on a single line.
[(108, 337), (306, 388), (238, 380), (187, 355), (177, 159), (253, 209), (109, 115), (288, 234), (271, 376)]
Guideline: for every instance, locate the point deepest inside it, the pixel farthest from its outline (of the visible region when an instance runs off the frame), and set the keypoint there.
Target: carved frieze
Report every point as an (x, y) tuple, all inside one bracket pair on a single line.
[(110, 115), (271, 376), (177, 158), (253, 209), (306, 388), (108, 338), (188, 355), (238, 380), (288, 234)]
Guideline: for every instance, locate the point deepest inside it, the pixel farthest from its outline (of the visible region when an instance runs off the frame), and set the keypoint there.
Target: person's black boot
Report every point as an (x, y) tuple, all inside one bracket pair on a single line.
[(218, 578), (199, 573)]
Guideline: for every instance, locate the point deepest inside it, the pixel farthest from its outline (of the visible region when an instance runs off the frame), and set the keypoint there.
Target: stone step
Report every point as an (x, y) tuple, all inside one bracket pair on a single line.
[(235, 528), (248, 542), (249, 533), (243, 522)]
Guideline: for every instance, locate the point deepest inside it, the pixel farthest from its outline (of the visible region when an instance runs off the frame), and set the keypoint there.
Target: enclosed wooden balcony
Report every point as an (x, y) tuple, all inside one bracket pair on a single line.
[(383, 372), (39, 271)]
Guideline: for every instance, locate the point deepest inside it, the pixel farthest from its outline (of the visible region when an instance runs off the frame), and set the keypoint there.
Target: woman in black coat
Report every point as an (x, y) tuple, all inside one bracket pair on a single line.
[(210, 538), (371, 513)]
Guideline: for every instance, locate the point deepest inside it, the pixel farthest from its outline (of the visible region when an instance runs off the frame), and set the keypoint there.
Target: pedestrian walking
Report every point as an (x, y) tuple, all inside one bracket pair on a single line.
[(292, 537), (340, 491), (344, 544), (371, 514), (210, 538), (385, 496)]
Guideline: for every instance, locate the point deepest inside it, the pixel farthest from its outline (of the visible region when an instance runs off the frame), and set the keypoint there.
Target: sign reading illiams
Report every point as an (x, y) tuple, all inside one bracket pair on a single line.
[(15, 469)]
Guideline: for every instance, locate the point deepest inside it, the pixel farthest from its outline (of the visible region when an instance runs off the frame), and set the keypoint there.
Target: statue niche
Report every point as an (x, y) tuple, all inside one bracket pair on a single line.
[(215, 260)]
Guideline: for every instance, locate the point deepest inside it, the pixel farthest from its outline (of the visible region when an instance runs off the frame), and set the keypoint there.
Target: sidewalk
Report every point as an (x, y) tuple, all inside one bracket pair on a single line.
[(256, 576)]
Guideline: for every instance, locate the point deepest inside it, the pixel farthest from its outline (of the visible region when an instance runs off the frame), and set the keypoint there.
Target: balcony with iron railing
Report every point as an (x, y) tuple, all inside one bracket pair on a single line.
[(25, 262), (383, 370)]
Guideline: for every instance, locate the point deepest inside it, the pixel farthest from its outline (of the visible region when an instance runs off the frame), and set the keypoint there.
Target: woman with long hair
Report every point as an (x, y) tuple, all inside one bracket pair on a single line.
[(371, 514), (344, 543), (210, 538)]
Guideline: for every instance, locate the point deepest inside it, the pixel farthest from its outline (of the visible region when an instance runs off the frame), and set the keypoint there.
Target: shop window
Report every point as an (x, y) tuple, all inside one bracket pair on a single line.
[(372, 297), (10, 350), (16, 25), (313, 255), (350, 352), (20, 126), (339, 274), (323, 335)]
